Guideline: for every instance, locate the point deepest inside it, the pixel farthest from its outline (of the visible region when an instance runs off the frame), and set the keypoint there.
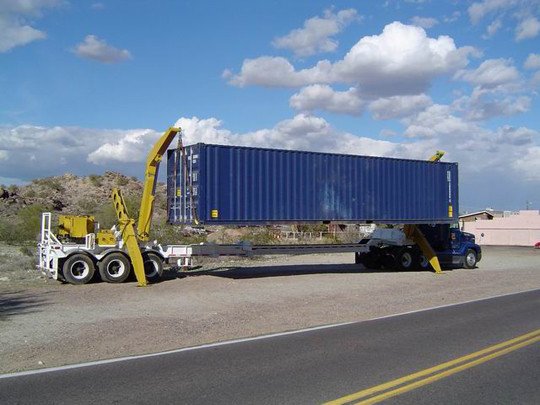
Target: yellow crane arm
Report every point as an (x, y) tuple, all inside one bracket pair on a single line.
[(150, 181)]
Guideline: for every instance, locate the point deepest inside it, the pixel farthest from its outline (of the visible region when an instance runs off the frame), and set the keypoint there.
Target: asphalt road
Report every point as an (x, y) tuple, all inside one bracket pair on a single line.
[(320, 365)]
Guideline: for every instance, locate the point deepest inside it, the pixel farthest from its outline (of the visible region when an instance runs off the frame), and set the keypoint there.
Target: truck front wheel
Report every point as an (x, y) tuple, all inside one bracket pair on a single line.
[(470, 259), (78, 269)]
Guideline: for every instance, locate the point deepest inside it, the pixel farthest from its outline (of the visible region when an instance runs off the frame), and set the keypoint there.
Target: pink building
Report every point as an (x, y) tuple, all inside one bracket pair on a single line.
[(519, 229)]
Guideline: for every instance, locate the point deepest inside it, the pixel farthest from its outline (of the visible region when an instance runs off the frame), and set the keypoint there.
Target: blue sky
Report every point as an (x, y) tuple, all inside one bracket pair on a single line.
[(87, 86)]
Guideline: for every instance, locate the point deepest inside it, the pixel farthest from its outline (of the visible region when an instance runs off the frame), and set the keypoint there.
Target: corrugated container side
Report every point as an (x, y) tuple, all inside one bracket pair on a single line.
[(216, 184)]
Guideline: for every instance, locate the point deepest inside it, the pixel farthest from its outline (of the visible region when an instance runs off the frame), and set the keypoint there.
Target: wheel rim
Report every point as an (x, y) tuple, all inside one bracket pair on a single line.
[(116, 268), (150, 267), (79, 270), (423, 261), (471, 260), (406, 260)]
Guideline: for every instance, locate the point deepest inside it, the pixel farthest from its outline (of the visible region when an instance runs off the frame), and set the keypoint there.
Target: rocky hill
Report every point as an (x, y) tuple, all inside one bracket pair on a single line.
[(72, 194), (20, 206)]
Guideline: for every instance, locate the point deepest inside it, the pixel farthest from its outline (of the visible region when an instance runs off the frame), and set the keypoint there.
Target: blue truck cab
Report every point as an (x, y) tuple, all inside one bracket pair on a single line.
[(454, 247)]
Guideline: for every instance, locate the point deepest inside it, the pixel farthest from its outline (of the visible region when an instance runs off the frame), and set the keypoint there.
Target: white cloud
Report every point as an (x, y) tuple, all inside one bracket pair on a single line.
[(491, 73), (493, 28), (535, 81), (272, 71), (399, 106), (96, 49), (515, 136), (424, 22), (527, 28), (401, 60), (479, 10), (323, 97), (485, 105), (132, 147), (3, 154), (528, 164), (316, 34), (16, 20), (533, 61)]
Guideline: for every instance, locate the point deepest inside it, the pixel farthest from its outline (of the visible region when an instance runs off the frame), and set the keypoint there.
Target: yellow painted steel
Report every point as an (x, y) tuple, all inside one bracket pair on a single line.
[(427, 376), (150, 180), (75, 226), (127, 227), (437, 156), (415, 234), (105, 237)]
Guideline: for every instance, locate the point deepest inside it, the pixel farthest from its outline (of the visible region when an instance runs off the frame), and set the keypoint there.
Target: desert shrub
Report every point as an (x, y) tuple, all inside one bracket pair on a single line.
[(95, 180), (24, 227), (13, 189), (31, 193), (259, 236), (50, 183), (121, 181), (168, 234), (88, 206)]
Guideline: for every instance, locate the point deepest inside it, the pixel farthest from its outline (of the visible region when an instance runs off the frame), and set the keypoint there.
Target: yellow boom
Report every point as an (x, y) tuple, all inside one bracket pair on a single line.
[(150, 180)]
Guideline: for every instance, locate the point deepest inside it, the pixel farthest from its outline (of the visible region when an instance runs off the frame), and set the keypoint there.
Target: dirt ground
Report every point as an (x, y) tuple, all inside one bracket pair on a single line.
[(44, 323)]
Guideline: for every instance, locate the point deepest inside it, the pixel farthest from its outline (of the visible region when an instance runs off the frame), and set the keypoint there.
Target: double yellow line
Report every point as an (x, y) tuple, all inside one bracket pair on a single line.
[(410, 382)]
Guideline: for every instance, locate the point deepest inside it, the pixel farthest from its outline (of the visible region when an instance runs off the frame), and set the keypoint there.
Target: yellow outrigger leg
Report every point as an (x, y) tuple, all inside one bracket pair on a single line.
[(129, 236), (415, 234)]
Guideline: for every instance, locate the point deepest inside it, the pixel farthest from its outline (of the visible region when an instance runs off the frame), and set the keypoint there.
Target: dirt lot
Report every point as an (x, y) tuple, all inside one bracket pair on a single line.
[(44, 323)]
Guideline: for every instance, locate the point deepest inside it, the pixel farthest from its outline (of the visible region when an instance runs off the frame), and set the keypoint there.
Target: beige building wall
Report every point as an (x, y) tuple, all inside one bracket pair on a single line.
[(520, 229)]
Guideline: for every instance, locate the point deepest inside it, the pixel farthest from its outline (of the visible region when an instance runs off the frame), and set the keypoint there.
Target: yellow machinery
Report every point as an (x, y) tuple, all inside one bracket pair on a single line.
[(415, 234)]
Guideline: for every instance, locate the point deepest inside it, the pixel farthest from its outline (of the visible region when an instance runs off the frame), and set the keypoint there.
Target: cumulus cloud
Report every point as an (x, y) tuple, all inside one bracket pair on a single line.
[(527, 28), (316, 34), (483, 105), (16, 20), (532, 61), (398, 106), (528, 164), (424, 22), (96, 49), (491, 73), (131, 147), (493, 28), (479, 10), (323, 97), (401, 60)]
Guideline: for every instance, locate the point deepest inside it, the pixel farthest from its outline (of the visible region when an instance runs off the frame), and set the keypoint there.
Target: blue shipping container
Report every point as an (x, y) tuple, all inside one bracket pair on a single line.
[(215, 184)]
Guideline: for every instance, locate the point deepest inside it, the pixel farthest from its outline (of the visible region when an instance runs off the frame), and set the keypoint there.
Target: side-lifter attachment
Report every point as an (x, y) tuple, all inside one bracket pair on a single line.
[(129, 236)]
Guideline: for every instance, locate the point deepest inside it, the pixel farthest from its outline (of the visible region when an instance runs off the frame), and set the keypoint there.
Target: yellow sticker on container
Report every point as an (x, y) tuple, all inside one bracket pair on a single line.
[(450, 211), (214, 213)]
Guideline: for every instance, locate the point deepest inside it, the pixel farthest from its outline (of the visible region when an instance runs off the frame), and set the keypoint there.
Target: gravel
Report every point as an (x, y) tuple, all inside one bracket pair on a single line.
[(44, 323)]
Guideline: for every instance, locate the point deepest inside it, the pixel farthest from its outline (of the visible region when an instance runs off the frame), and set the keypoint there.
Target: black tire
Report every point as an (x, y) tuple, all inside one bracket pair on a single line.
[(78, 269), (423, 263), (114, 268), (470, 259), (406, 259), (153, 266)]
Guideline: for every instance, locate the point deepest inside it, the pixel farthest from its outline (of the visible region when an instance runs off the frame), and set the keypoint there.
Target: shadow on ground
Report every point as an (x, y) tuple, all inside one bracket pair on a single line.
[(275, 271), (18, 303)]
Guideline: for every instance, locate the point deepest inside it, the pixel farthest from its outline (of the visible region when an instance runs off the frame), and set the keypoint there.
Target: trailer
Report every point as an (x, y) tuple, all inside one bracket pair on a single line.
[(423, 234)]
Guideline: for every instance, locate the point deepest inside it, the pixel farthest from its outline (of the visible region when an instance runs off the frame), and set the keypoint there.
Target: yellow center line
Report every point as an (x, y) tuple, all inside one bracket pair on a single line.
[(481, 356)]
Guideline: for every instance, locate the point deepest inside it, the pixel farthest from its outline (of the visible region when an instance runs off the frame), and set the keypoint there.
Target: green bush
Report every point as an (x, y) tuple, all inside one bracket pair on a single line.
[(121, 181), (95, 180), (24, 227)]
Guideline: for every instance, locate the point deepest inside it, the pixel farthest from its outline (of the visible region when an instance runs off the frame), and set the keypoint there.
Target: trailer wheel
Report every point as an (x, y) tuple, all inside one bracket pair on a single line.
[(78, 269), (423, 263), (153, 266), (470, 259), (406, 259), (114, 268)]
